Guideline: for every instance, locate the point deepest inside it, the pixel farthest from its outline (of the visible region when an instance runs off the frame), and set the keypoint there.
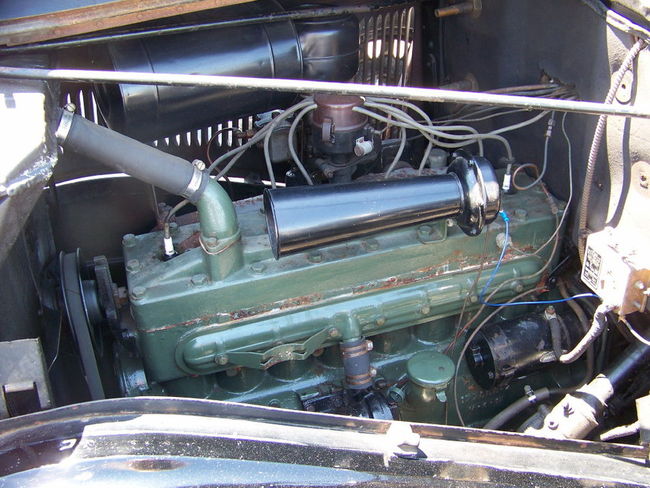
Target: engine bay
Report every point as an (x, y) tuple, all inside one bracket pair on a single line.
[(341, 208)]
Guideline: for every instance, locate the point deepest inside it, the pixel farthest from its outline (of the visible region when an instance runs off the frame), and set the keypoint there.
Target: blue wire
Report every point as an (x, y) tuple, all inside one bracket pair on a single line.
[(543, 302), (506, 221)]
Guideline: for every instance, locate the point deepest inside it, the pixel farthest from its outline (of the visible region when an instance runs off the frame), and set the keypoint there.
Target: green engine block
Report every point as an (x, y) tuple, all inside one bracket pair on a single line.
[(268, 332)]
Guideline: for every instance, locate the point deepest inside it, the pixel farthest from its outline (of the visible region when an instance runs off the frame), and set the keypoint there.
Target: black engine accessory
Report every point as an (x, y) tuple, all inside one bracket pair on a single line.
[(318, 49), (510, 349)]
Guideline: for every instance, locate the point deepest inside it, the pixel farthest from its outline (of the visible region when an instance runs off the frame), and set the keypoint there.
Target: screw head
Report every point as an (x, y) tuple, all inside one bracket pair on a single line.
[(258, 267), (128, 240), (221, 359), (315, 257), (371, 244), (552, 424), (198, 164), (199, 279), (138, 292), (373, 372), (426, 310), (132, 265), (381, 321)]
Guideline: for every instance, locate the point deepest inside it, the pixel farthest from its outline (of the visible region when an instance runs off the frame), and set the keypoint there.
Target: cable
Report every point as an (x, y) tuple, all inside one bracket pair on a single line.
[(540, 177), (598, 324), (267, 137), (506, 221), (292, 149), (568, 203), (596, 142), (634, 333), (398, 155)]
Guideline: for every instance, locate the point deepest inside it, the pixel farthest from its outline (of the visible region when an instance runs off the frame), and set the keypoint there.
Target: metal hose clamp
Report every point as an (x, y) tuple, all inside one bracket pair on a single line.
[(67, 116), (194, 185)]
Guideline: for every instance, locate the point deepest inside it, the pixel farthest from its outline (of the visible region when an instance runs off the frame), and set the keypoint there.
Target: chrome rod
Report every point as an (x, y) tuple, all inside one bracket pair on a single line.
[(306, 86)]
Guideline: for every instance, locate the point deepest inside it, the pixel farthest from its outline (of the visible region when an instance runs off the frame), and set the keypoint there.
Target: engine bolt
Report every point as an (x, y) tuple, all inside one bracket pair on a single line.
[(222, 359), (258, 268), (521, 214), (199, 279), (315, 257), (334, 332), (381, 321), (132, 265), (371, 244), (639, 285), (138, 292), (198, 164), (210, 242), (373, 372), (450, 222), (425, 310), (552, 424), (128, 240), (369, 346)]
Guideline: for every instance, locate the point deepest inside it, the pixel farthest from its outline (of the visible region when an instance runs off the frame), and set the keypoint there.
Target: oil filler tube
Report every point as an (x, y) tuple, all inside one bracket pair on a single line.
[(301, 218)]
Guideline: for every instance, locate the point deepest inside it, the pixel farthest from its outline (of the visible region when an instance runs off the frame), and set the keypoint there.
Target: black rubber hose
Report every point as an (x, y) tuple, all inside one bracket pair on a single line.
[(514, 409), (127, 155), (584, 324)]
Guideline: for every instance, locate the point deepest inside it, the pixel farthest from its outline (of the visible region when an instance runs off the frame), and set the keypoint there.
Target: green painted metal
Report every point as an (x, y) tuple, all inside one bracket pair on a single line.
[(205, 316)]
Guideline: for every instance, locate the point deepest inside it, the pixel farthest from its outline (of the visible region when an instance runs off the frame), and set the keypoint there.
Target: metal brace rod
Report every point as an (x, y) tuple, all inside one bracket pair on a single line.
[(306, 86)]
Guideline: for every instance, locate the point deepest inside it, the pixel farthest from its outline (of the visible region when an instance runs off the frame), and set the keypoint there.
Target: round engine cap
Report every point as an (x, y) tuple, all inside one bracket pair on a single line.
[(430, 369)]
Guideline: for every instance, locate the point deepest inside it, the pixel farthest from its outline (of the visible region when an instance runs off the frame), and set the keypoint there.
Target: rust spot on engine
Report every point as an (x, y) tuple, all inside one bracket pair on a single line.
[(300, 301), (190, 243)]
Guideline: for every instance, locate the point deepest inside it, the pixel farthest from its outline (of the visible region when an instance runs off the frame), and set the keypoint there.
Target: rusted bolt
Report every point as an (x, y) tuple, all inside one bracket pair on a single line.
[(128, 240), (138, 292), (221, 359), (425, 310), (199, 279), (315, 257), (132, 265), (258, 268), (381, 321), (333, 332)]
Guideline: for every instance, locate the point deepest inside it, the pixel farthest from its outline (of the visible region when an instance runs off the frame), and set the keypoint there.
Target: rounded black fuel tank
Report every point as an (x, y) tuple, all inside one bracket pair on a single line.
[(321, 49)]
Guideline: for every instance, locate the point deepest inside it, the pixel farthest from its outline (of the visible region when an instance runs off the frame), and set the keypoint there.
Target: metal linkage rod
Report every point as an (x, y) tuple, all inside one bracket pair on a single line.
[(305, 86)]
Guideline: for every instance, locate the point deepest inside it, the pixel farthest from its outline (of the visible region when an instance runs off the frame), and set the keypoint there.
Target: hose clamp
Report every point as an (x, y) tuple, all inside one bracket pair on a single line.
[(194, 185), (62, 131)]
